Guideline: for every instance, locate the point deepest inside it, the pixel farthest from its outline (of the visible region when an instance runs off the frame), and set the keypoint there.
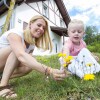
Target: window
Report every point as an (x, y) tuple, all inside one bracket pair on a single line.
[(61, 22), (45, 10), (1, 27), (56, 47)]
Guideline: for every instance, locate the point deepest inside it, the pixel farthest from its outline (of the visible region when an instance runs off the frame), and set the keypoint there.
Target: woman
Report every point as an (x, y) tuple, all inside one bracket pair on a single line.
[(15, 58)]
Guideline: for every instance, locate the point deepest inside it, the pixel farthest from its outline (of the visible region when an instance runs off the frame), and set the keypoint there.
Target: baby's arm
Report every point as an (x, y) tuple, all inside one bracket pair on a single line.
[(65, 49)]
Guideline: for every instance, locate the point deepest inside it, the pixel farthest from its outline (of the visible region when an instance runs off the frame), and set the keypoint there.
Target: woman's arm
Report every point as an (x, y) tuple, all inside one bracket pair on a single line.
[(27, 60)]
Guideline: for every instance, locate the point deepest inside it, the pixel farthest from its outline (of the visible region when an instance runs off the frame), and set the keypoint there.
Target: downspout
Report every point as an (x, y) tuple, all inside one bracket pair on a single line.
[(63, 37)]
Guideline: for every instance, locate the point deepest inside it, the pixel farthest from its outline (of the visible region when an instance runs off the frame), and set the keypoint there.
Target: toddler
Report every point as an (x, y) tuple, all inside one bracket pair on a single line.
[(83, 62)]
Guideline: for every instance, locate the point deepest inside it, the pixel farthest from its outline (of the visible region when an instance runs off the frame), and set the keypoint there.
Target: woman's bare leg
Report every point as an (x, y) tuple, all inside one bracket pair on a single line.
[(11, 63), (4, 53), (21, 71), (15, 68)]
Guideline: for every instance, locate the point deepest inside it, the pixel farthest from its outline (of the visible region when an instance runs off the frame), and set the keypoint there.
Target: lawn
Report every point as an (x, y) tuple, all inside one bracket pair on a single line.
[(35, 86)]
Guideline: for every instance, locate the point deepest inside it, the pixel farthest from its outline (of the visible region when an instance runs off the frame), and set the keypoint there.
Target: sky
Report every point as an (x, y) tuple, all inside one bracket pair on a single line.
[(86, 10)]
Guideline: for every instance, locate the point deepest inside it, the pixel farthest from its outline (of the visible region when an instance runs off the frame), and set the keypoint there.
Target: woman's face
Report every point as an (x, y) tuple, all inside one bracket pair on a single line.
[(37, 28)]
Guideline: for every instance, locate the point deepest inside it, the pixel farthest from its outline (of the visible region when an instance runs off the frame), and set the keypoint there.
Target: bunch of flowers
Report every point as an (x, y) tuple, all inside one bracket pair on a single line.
[(66, 59)]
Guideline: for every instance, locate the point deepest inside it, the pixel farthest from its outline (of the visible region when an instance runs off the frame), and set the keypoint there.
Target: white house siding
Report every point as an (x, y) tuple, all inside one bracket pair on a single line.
[(23, 13), (3, 19), (56, 39)]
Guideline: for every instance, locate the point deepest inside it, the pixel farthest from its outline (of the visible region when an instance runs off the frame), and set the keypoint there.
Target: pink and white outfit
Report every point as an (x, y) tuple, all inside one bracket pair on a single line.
[(75, 49)]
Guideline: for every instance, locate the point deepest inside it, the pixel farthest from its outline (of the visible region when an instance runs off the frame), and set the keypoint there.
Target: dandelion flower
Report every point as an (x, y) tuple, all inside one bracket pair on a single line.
[(89, 77), (68, 59), (64, 65), (61, 55), (89, 64)]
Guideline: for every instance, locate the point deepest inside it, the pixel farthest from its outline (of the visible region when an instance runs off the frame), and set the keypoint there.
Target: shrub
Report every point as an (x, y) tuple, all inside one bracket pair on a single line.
[(94, 47)]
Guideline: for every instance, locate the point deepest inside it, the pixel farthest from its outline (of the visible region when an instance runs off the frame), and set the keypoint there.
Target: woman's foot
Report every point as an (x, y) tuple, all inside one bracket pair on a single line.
[(7, 92)]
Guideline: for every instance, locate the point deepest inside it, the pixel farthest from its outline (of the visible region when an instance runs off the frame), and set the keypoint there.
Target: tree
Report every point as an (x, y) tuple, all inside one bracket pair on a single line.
[(91, 35), (12, 4)]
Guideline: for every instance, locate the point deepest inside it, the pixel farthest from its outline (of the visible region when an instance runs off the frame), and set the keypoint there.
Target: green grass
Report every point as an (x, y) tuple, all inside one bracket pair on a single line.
[(34, 86)]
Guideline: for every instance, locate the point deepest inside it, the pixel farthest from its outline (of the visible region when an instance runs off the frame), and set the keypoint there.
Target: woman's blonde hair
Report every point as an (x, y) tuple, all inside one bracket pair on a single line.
[(75, 21), (44, 41)]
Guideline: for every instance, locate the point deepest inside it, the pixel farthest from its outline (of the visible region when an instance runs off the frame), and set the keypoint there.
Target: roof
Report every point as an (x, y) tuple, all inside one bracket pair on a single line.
[(59, 30), (59, 3)]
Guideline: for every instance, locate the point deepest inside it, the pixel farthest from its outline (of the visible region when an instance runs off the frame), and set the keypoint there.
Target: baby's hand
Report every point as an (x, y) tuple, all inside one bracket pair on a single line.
[(97, 58)]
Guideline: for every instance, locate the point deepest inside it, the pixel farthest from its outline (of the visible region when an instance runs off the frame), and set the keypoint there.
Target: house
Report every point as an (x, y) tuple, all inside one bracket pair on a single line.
[(53, 10)]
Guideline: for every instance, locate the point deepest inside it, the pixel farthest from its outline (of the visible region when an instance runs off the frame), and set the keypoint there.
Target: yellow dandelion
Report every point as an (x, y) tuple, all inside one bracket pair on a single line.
[(89, 77), (68, 59), (89, 64), (61, 55), (64, 65), (92, 76), (64, 55)]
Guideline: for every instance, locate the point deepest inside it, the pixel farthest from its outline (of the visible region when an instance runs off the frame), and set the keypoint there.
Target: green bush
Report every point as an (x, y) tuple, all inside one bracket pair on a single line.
[(94, 47)]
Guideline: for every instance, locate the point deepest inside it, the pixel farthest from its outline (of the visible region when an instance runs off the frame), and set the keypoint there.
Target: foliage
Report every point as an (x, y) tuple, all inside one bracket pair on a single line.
[(34, 86), (91, 35), (94, 47)]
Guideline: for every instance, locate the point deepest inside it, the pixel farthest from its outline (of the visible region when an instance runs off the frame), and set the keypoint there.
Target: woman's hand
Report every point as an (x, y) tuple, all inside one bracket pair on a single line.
[(58, 74)]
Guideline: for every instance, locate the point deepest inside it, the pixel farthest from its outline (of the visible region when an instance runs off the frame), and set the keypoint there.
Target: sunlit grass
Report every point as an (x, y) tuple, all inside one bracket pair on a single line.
[(35, 87)]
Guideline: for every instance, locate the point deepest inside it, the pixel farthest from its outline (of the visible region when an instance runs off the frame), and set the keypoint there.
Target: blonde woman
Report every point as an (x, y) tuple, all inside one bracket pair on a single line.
[(15, 58)]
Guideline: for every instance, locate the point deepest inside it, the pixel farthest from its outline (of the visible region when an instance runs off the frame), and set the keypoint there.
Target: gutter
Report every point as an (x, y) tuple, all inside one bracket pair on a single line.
[(63, 11)]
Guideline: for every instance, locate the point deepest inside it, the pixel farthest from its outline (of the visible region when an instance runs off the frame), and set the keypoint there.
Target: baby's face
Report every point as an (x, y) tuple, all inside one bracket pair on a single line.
[(76, 32)]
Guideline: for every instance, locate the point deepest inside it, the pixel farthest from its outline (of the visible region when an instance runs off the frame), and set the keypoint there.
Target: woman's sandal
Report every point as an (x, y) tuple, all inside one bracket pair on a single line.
[(7, 92)]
